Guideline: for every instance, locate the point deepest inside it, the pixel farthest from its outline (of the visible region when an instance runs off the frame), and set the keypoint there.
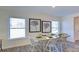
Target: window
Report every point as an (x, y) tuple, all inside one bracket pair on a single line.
[(55, 27), (17, 28)]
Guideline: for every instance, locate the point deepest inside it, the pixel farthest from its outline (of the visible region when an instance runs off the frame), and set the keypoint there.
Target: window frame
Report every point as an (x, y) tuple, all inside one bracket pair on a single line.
[(16, 28), (59, 26)]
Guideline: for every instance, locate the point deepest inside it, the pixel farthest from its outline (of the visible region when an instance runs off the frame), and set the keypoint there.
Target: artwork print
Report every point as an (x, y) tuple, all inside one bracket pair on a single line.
[(46, 26), (34, 25)]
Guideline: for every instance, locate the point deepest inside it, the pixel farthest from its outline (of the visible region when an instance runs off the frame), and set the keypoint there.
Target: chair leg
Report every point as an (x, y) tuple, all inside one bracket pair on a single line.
[(54, 48)]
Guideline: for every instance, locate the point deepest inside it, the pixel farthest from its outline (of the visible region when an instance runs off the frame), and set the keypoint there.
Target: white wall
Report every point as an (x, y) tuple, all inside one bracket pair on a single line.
[(68, 25), (4, 27)]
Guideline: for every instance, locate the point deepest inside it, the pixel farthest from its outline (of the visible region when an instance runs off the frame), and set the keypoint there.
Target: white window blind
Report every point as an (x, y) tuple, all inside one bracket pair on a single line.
[(17, 28), (55, 27)]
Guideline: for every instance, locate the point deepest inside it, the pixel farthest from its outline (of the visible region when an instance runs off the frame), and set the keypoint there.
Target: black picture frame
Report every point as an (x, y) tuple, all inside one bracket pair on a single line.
[(34, 25), (46, 26)]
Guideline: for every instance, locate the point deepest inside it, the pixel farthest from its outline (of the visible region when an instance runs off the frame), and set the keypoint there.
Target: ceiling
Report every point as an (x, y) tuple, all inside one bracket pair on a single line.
[(57, 11)]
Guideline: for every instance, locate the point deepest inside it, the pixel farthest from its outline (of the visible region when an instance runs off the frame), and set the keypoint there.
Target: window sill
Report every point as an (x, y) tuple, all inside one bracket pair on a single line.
[(17, 38)]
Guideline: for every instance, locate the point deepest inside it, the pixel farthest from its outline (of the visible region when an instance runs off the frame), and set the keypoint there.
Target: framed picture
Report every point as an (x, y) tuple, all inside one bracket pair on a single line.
[(34, 25), (46, 26)]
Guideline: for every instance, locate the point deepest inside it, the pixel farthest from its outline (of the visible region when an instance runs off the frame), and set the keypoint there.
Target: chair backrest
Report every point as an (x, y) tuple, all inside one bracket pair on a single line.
[(32, 41), (51, 41)]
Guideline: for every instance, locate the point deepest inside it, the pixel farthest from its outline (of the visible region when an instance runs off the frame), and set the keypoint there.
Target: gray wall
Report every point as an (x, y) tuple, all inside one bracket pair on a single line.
[(4, 27)]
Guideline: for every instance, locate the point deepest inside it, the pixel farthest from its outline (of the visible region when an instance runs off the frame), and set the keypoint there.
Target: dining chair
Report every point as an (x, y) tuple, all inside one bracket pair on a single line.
[(51, 46), (43, 44), (64, 43), (35, 46)]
